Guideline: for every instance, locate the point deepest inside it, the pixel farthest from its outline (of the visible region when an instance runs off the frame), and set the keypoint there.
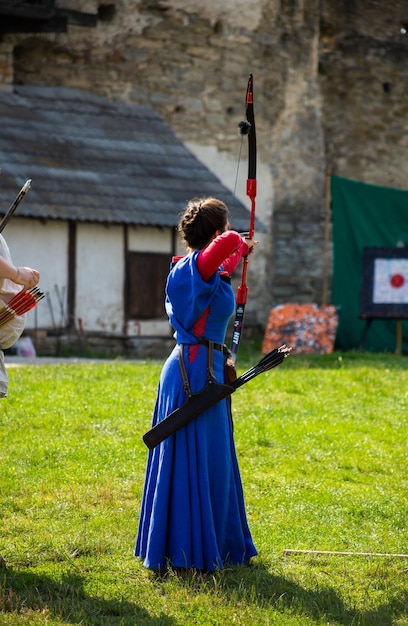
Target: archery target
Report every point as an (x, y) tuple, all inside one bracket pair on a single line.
[(390, 281)]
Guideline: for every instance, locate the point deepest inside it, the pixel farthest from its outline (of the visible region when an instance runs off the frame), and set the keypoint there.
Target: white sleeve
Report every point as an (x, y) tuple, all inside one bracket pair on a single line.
[(10, 332)]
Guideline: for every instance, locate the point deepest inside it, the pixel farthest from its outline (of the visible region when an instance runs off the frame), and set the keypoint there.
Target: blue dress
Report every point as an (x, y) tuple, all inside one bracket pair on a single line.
[(193, 513)]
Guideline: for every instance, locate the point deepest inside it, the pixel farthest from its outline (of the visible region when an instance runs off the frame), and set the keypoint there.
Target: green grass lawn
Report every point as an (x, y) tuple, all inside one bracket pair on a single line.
[(322, 446)]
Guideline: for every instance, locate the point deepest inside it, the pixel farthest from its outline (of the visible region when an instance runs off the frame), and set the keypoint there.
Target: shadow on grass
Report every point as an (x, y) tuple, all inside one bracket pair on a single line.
[(284, 594), (24, 593), (258, 586)]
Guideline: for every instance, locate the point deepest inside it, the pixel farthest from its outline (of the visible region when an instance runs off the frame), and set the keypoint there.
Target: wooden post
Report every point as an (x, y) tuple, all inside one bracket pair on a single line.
[(399, 338), (400, 244)]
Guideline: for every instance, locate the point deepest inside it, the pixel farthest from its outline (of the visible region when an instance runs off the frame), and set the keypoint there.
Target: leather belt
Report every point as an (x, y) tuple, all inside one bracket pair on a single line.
[(221, 347)]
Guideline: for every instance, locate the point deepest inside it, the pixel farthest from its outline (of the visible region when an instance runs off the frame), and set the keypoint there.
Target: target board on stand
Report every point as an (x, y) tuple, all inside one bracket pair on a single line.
[(384, 290)]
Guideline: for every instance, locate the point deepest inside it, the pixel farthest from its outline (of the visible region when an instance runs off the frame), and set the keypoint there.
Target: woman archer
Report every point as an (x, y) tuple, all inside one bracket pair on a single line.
[(193, 513)]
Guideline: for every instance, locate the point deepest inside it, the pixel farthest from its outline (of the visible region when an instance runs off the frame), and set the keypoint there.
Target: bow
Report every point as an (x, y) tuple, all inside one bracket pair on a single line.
[(24, 300), (24, 189), (246, 127)]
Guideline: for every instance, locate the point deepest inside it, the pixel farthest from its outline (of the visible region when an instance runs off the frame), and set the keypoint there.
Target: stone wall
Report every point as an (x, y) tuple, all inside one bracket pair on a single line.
[(363, 80), (330, 89)]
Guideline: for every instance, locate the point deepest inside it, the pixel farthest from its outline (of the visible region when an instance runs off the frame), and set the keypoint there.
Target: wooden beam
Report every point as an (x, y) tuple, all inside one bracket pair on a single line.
[(22, 17), (11, 25), (39, 11)]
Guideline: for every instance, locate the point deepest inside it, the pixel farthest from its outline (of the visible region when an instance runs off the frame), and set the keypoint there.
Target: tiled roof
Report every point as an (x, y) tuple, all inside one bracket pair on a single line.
[(93, 160)]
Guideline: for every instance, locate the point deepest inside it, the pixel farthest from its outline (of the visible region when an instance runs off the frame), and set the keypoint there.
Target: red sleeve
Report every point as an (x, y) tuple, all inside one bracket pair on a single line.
[(226, 250)]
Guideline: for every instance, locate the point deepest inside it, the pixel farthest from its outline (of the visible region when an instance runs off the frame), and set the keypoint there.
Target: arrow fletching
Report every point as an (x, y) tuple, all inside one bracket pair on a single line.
[(21, 303), (270, 360)]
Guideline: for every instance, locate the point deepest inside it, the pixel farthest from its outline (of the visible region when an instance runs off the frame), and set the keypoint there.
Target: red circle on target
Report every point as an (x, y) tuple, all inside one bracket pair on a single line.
[(397, 280)]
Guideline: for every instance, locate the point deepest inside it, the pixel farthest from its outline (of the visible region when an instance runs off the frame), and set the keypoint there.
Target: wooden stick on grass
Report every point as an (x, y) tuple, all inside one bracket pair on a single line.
[(288, 552)]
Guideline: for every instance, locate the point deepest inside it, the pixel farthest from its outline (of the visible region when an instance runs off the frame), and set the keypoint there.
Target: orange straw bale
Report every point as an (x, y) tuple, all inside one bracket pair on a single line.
[(308, 328)]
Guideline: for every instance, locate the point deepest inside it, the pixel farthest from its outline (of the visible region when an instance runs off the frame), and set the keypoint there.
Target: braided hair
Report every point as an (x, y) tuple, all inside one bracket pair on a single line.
[(201, 220)]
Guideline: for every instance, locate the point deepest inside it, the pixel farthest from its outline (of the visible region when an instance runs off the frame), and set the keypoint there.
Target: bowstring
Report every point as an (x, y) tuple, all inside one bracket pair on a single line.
[(238, 164)]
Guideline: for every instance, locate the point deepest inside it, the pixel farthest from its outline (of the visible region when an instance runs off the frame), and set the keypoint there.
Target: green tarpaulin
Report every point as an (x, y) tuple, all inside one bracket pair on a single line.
[(363, 215)]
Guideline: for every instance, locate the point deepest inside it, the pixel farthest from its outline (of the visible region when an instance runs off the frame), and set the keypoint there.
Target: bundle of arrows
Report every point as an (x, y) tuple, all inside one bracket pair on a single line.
[(21, 303)]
